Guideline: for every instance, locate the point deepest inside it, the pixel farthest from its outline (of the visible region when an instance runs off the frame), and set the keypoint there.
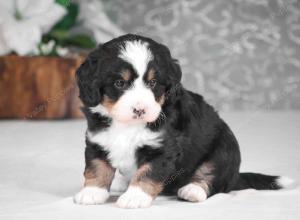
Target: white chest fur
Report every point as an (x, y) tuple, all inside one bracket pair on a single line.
[(121, 142)]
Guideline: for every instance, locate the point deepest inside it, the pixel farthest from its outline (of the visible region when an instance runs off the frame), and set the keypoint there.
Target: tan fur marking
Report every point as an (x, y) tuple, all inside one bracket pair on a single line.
[(126, 75), (99, 173), (149, 186), (203, 176), (108, 103), (150, 74), (204, 186), (162, 99)]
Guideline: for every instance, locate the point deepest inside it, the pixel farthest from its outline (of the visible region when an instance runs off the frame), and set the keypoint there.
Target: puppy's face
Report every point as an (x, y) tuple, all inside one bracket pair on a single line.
[(130, 78), (134, 90)]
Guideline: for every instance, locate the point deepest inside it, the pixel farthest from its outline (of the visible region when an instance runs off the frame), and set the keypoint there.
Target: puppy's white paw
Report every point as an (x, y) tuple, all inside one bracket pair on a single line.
[(133, 198), (192, 192), (91, 195)]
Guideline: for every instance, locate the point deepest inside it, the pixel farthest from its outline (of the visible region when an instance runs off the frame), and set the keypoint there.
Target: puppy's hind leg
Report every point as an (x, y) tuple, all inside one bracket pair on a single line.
[(198, 188)]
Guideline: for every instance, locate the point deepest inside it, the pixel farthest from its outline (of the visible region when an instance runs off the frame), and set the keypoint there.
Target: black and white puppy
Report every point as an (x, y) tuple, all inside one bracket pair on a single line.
[(154, 134)]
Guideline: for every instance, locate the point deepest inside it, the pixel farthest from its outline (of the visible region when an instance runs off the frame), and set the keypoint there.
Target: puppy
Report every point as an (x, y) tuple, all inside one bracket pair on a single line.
[(157, 135)]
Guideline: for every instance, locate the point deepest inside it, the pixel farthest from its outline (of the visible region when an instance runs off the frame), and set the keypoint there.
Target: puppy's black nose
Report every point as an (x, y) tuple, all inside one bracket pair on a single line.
[(138, 111)]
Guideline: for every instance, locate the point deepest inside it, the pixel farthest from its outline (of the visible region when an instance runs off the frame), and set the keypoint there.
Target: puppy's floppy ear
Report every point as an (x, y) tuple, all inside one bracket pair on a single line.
[(174, 89), (89, 81), (173, 69), (175, 72)]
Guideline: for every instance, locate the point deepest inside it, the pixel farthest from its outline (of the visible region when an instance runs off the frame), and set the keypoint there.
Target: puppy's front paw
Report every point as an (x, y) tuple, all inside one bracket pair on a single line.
[(192, 192), (133, 198), (91, 195)]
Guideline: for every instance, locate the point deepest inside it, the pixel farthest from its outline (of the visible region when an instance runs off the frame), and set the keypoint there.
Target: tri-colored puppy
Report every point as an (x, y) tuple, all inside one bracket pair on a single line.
[(158, 136)]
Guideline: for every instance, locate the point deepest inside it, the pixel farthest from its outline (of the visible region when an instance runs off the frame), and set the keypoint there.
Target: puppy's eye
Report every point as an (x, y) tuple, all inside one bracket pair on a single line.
[(120, 84), (151, 83)]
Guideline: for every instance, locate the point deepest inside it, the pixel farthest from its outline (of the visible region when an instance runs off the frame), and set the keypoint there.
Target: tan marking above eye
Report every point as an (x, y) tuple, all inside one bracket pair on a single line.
[(150, 74), (126, 75)]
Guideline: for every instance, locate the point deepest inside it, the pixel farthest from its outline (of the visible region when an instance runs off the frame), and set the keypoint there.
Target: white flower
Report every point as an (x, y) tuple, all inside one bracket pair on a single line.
[(47, 47), (62, 51), (22, 23)]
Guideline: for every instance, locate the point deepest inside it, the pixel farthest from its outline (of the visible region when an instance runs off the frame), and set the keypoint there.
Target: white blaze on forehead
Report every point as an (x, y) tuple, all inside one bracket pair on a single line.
[(137, 54)]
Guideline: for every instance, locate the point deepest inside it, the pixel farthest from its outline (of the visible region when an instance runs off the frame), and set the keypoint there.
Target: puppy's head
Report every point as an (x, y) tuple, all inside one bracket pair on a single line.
[(128, 78)]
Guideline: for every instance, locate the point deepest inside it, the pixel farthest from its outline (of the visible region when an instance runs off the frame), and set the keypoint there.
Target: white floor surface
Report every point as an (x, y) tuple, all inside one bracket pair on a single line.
[(41, 165)]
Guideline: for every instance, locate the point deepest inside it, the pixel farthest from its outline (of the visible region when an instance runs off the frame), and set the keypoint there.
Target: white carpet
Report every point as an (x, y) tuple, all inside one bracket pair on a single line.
[(41, 165)]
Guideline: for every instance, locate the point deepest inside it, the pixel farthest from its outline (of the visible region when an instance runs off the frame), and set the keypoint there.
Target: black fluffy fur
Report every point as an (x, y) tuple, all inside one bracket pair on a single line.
[(194, 132)]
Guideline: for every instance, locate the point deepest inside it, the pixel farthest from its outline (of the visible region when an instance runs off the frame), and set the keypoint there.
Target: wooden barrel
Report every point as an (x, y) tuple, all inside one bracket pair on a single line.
[(39, 87)]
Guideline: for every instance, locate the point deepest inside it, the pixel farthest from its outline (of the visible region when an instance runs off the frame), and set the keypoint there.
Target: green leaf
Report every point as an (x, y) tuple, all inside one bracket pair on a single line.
[(61, 34), (64, 39), (81, 40), (69, 20), (64, 3), (58, 35)]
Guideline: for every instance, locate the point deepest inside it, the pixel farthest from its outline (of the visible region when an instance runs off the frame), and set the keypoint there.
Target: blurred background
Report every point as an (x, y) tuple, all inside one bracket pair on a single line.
[(239, 54)]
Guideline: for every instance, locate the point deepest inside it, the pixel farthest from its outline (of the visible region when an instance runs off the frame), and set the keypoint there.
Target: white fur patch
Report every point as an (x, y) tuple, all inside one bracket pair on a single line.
[(99, 109), (121, 141), (137, 54), (192, 192), (134, 197), (91, 195), (119, 183), (284, 181)]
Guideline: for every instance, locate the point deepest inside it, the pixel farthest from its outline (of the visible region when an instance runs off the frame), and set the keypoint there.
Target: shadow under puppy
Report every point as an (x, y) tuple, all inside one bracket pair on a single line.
[(154, 134)]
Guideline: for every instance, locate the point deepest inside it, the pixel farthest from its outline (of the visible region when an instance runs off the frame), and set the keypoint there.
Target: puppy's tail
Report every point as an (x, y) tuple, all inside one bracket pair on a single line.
[(262, 182)]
